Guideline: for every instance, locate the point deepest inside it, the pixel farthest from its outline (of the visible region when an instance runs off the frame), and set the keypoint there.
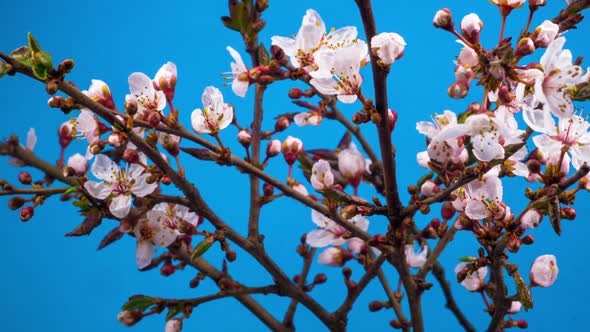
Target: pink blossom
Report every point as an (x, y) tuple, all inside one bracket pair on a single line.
[(544, 271)]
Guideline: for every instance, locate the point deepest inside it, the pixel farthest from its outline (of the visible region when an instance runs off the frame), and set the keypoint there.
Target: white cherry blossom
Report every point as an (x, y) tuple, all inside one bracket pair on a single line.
[(118, 183), (215, 115), (239, 72), (321, 175), (143, 92), (388, 46), (415, 259), (329, 232), (475, 279), (544, 271), (99, 92)]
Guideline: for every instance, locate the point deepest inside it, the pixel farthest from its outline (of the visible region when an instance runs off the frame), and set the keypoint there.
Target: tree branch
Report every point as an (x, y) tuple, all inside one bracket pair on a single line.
[(439, 273)]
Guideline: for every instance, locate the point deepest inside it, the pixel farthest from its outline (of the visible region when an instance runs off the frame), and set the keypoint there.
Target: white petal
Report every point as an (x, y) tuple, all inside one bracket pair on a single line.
[(319, 238), (144, 253), (120, 206), (286, 44), (199, 123), (321, 220), (98, 190), (31, 139), (104, 168), (142, 188)]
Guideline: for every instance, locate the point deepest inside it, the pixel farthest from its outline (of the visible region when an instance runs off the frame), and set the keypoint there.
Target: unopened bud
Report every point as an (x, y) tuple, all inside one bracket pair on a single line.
[(396, 324), (347, 272), (282, 124), (230, 255), (26, 213), (295, 93), (425, 208), (513, 244), (96, 147), (443, 19), (16, 202), (25, 177), (568, 213), (392, 118), (320, 279), (56, 102), (360, 118), (527, 240), (52, 86), (349, 211), (173, 325), (130, 156), (115, 139), (375, 306), (66, 66), (471, 26), (459, 89), (278, 53), (376, 118), (525, 46), (273, 148), (429, 188), (167, 270), (153, 118), (131, 106), (268, 189), (129, 318), (244, 138), (522, 324), (166, 180), (447, 211), (194, 283)]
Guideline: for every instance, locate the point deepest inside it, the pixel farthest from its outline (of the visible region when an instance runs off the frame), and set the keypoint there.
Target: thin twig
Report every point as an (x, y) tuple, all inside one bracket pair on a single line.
[(288, 319), (439, 273)]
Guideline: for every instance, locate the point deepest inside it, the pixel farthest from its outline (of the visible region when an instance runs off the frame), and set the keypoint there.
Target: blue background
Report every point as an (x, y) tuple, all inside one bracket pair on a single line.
[(52, 283)]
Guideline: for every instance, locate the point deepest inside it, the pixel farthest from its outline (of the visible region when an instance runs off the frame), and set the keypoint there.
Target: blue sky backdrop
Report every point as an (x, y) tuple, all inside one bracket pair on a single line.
[(52, 283)]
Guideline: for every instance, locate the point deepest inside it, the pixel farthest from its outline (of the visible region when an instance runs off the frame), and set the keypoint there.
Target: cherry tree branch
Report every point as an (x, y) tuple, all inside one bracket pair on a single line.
[(33, 191), (288, 319), (439, 273), (394, 204), (436, 252), (255, 204)]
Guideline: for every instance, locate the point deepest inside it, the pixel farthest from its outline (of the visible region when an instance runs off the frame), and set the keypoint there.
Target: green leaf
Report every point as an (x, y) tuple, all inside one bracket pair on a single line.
[(71, 190), (22, 55), (229, 23), (468, 259), (554, 212), (138, 302), (263, 56), (201, 249), (425, 177), (33, 44), (523, 292), (4, 68), (173, 311)]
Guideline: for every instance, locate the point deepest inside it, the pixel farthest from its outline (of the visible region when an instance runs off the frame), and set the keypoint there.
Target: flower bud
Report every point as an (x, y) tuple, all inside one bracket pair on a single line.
[(515, 307), (544, 271), (522, 324), (568, 213), (429, 188), (528, 240), (321, 175), (173, 325), (320, 279), (66, 66), (463, 73), (273, 148), (96, 147), (392, 118), (130, 156), (300, 189), (459, 89), (129, 318), (282, 124), (278, 53), (244, 138), (396, 324), (268, 189), (115, 139), (167, 270), (16, 202), (472, 280), (165, 80), (295, 93), (334, 256), (443, 19), (56, 102), (291, 148), (513, 244), (525, 46), (447, 211), (352, 165), (52, 86), (359, 118), (545, 33), (375, 306), (26, 213), (65, 133), (131, 106), (99, 92), (388, 47), (78, 164), (471, 26), (531, 218), (25, 177)]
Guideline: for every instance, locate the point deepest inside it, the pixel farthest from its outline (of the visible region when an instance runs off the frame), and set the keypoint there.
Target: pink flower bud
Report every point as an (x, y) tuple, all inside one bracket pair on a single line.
[(129, 318), (25, 178), (78, 163), (115, 139), (471, 26), (458, 90), (443, 19), (334, 257), (26, 213), (291, 148), (99, 92), (351, 164), (388, 47), (301, 189), (282, 124), (392, 118), (65, 133), (545, 33), (273, 148), (544, 271), (165, 80), (463, 74), (429, 188), (447, 211), (468, 57), (515, 307), (525, 46), (531, 218), (244, 138), (568, 213), (173, 325)]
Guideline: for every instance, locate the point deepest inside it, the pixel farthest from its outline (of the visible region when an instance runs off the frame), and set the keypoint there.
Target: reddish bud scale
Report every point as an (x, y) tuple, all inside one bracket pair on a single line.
[(281, 124), (16, 202), (25, 178), (320, 279), (375, 306), (26, 213), (447, 211), (130, 156), (295, 93), (167, 270)]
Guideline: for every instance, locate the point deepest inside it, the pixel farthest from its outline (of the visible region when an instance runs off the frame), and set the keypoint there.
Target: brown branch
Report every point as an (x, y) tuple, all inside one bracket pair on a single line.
[(439, 273), (394, 204), (412, 290), (272, 289), (584, 169), (436, 252), (33, 191), (501, 300), (255, 204), (252, 305), (288, 319), (393, 300)]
